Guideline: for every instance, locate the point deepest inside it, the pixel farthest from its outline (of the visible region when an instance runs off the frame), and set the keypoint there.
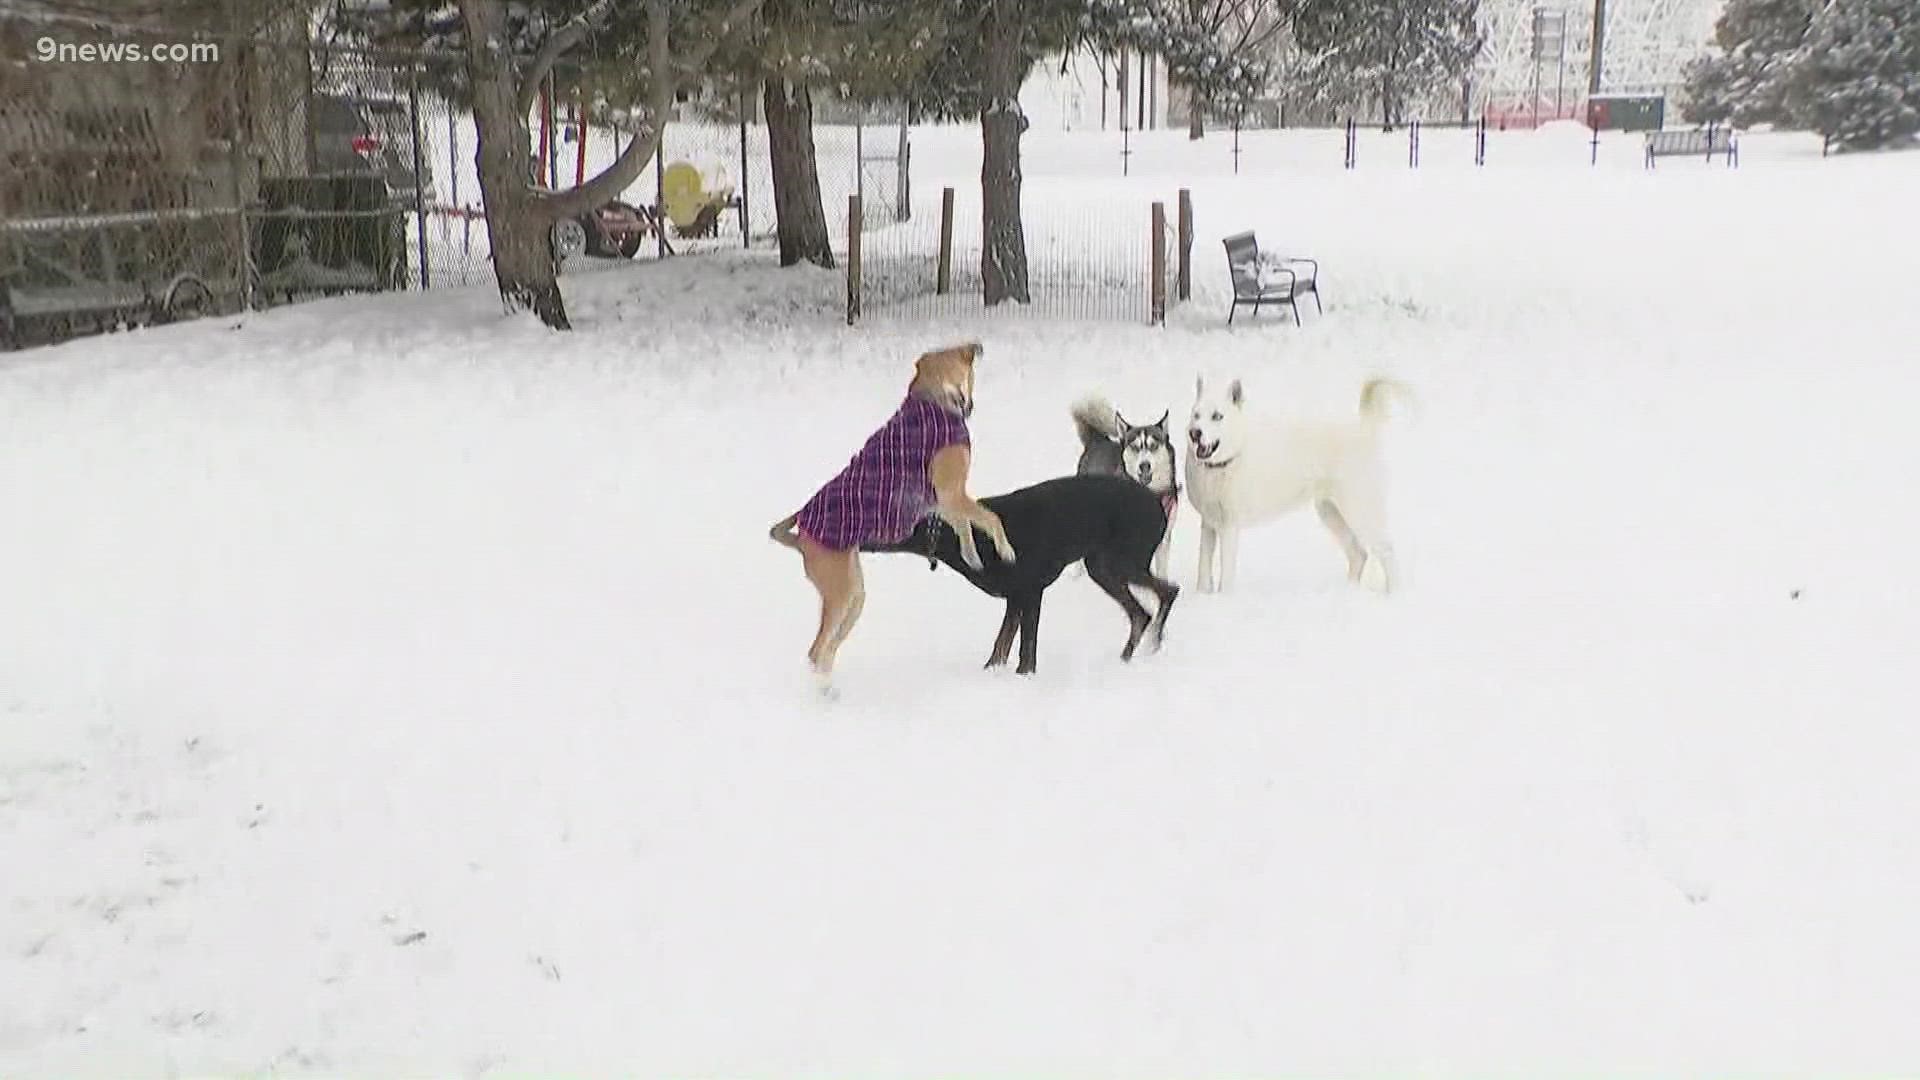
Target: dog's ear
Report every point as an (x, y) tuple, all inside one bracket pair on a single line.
[(1162, 422), (1121, 421), (1199, 386), (1233, 392), (973, 351)]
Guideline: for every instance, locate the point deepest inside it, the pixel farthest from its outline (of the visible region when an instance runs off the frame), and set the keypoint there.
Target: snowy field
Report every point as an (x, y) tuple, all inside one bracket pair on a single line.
[(388, 688)]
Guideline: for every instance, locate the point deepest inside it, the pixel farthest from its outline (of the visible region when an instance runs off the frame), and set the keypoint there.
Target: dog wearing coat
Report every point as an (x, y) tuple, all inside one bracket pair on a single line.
[(916, 463), (1243, 470)]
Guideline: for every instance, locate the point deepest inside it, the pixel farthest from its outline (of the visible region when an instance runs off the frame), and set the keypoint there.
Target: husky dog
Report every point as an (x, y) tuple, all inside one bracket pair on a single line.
[(918, 462), (1143, 453), (1243, 471)]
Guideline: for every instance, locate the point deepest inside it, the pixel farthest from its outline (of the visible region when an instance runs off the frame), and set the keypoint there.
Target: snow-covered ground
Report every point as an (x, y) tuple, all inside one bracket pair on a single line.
[(387, 687)]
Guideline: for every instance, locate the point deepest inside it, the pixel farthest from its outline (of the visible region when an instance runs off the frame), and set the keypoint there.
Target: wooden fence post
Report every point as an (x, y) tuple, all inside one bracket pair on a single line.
[(853, 259), (1185, 279), (943, 275), (1157, 286)]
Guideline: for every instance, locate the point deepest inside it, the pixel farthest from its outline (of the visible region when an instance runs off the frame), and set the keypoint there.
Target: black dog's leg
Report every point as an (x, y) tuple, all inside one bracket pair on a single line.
[(1168, 592), (1003, 644), (1029, 633), (1115, 585)]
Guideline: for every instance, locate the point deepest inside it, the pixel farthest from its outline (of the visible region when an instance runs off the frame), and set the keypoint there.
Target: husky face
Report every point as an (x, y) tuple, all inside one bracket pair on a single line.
[(1216, 430), (1146, 454)]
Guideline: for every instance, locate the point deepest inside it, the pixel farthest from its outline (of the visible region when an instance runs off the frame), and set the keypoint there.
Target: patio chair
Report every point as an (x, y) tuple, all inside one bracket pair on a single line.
[(1260, 280)]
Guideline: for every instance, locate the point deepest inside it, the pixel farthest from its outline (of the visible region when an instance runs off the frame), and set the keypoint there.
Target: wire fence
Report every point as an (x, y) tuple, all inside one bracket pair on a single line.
[(1088, 258), (271, 168)]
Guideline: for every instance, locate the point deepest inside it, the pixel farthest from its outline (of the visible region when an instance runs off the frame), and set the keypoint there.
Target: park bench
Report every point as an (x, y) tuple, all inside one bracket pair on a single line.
[(1259, 280), (1694, 142)]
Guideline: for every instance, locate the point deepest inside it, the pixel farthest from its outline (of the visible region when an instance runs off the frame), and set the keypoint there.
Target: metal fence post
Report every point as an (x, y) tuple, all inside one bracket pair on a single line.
[(236, 163), (903, 173), (419, 188), (853, 259), (1184, 280), (1157, 285), (746, 227), (659, 190), (943, 274)]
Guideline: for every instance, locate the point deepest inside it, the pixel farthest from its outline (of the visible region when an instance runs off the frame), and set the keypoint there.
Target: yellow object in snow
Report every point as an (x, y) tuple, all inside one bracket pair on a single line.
[(684, 192)]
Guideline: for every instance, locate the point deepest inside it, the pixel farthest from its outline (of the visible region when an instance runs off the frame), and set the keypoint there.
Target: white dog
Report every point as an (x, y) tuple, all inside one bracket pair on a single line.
[(1242, 471)]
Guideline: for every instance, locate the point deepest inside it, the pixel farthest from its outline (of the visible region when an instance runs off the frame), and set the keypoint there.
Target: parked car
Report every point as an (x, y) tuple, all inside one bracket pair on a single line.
[(356, 134)]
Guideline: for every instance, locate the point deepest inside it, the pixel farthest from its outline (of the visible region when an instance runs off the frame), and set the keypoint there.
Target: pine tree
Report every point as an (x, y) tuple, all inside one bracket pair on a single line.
[(1746, 81), (1401, 49), (1219, 50), (639, 58), (1856, 79), (865, 49), (983, 54)]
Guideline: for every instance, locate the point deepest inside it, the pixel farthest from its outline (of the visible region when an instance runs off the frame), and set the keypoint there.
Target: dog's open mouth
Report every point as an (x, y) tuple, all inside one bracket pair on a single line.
[(1205, 450)]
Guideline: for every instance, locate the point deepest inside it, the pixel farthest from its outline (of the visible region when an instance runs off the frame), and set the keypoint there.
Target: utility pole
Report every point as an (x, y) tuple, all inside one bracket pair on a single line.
[(1599, 47)]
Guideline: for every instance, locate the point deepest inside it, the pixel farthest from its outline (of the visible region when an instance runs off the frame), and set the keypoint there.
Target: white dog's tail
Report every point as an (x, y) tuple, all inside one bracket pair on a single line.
[(1375, 395), (1094, 418)]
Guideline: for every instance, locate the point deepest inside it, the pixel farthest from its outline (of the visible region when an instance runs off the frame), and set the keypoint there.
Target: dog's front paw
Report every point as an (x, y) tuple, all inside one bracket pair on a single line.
[(971, 556), (1005, 550)]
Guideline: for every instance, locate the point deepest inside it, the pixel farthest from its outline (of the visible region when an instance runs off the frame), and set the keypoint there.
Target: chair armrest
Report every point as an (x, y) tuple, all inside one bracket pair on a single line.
[(1293, 279)]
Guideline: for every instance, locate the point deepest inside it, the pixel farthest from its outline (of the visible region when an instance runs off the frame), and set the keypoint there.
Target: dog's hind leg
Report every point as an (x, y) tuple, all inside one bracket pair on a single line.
[(1003, 643), (855, 605), (1343, 534), (836, 576), (1366, 514), (1029, 634), (1114, 584), (1167, 592)]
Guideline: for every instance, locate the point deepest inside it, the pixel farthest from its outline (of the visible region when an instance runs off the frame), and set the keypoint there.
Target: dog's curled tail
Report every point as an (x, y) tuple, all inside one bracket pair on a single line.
[(783, 532), (1094, 419), (1375, 398)]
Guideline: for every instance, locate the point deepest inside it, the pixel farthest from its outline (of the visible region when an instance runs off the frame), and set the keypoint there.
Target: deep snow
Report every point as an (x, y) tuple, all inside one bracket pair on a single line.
[(387, 687)]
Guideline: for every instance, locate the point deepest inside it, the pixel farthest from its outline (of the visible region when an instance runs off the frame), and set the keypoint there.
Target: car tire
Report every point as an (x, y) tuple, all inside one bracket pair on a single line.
[(569, 239)]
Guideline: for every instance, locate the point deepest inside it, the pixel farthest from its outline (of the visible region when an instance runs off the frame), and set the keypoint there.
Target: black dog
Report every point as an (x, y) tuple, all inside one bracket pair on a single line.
[(1111, 522)]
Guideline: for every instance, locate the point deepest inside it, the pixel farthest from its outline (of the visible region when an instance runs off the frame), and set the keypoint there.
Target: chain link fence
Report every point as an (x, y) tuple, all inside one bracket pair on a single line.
[(1090, 256), (271, 167)]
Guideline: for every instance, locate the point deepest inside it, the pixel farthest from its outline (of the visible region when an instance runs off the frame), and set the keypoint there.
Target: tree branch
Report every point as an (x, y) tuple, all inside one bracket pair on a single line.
[(571, 33), (662, 84)]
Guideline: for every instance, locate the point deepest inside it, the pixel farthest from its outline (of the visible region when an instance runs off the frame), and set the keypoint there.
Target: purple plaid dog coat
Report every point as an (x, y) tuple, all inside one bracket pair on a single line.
[(884, 491)]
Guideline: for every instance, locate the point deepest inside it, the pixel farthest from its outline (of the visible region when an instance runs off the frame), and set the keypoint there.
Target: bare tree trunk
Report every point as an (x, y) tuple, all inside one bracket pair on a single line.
[(1101, 60), (517, 222), (1003, 249), (1196, 116), (519, 219), (1388, 107), (802, 220)]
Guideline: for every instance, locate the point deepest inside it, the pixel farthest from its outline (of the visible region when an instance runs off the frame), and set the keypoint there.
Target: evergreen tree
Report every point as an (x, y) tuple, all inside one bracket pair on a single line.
[(1746, 81), (638, 58), (1219, 50), (982, 55), (1856, 79), (1401, 49), (864, 49)]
